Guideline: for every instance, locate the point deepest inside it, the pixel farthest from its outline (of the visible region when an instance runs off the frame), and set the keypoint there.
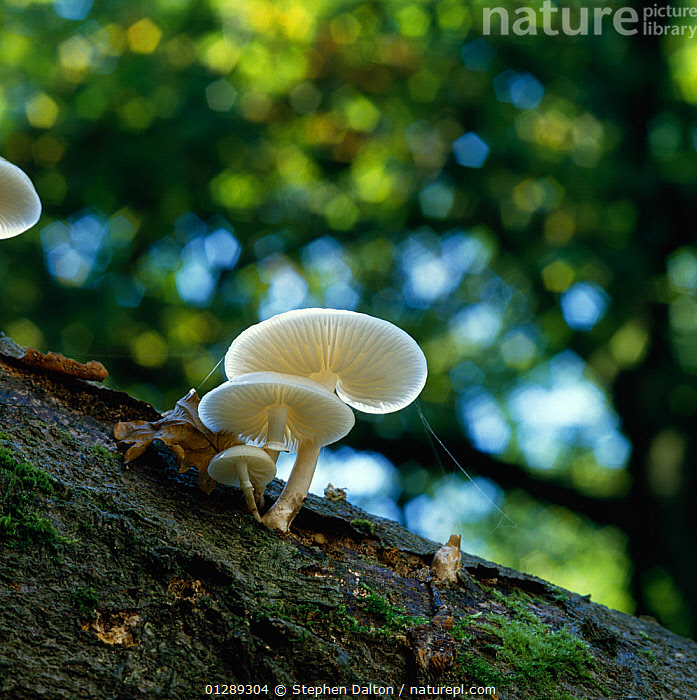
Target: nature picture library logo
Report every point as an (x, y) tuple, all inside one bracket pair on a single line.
[(578, 19)]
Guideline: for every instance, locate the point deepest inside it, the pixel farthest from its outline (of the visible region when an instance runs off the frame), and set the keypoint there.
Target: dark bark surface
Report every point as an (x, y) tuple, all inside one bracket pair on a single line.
[(132, 583)]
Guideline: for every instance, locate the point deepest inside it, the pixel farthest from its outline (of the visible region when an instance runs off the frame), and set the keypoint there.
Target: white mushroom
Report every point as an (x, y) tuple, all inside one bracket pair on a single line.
[(277, 411), (245, 466), (20, 206), (373, 365), (282, 412)]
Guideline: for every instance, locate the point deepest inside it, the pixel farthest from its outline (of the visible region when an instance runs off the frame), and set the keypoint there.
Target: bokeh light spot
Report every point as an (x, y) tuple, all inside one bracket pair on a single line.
[(344, 29), (235, 190), (664, 136), (143, 36), (519, 348), (72, 9), (484, 422), (583, 305), (75, 53), (557, 276), (137, 114), (526, 91), (476, 324), (305, 98), (221, 95), (341, 213), (436, 200), (222, 249), (629, 344), (219, 54), (470, 150), (149, 349), (413, 21), (42, 111), (682, 270), (195, 283), (256, 106), (287, 289), (26, 333), (76, 250), (361, 114)]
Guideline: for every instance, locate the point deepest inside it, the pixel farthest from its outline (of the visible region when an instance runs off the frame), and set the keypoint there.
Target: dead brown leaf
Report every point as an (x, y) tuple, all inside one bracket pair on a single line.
[(183, 432)]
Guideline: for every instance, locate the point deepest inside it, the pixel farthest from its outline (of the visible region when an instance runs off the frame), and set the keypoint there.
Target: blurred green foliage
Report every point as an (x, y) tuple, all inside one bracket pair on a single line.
[(503, 199)]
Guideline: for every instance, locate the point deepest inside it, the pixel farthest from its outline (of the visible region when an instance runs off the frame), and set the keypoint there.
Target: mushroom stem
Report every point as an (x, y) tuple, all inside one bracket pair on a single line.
[(259, 496), (272, 453), (259, 500), (289, 503), (248, 490), (277, 416)]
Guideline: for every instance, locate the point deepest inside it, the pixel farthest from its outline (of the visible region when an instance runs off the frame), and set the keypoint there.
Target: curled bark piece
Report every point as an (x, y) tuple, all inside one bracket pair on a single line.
[(59, 364)]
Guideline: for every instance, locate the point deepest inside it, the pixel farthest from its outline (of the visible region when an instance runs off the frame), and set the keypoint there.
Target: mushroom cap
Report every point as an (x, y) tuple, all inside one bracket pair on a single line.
[(315, 415), (260, 467), (20, 206), (372, 364)]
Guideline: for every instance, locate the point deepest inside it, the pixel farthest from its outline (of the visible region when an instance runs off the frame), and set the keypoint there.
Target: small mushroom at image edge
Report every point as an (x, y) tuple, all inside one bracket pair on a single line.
[(280, 412), (245, 466), (373, 365), (20, 206)]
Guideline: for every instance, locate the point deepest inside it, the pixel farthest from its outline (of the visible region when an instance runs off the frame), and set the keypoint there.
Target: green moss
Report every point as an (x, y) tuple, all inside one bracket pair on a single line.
[(461, 627), (367, 527), (471, 665), (28, 528), (67, 438), (85, 601), (476, 668), (389, 619), (392, 618), (538, 653), (26, 474), (8, 527), (104, 454), (39, 530), (536, 656), (339, 619), (648, 653), (22, 484)]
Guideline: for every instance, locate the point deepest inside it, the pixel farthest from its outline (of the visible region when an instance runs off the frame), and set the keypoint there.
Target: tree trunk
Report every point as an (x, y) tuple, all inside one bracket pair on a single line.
[(132, 583)]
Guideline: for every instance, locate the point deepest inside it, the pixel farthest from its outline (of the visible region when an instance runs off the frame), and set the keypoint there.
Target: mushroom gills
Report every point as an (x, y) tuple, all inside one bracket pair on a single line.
[(373, 365)]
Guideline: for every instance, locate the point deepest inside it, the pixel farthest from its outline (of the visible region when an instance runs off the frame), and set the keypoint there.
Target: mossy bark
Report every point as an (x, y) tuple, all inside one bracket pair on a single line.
[(141, 586)]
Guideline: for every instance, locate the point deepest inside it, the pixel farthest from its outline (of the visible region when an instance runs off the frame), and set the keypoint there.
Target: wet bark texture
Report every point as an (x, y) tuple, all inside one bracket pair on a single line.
[(132, 583)]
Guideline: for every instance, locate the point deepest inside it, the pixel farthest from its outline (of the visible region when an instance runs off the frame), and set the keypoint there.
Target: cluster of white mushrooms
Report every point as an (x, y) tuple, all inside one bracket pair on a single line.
[(291, 382), (20, 207)]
